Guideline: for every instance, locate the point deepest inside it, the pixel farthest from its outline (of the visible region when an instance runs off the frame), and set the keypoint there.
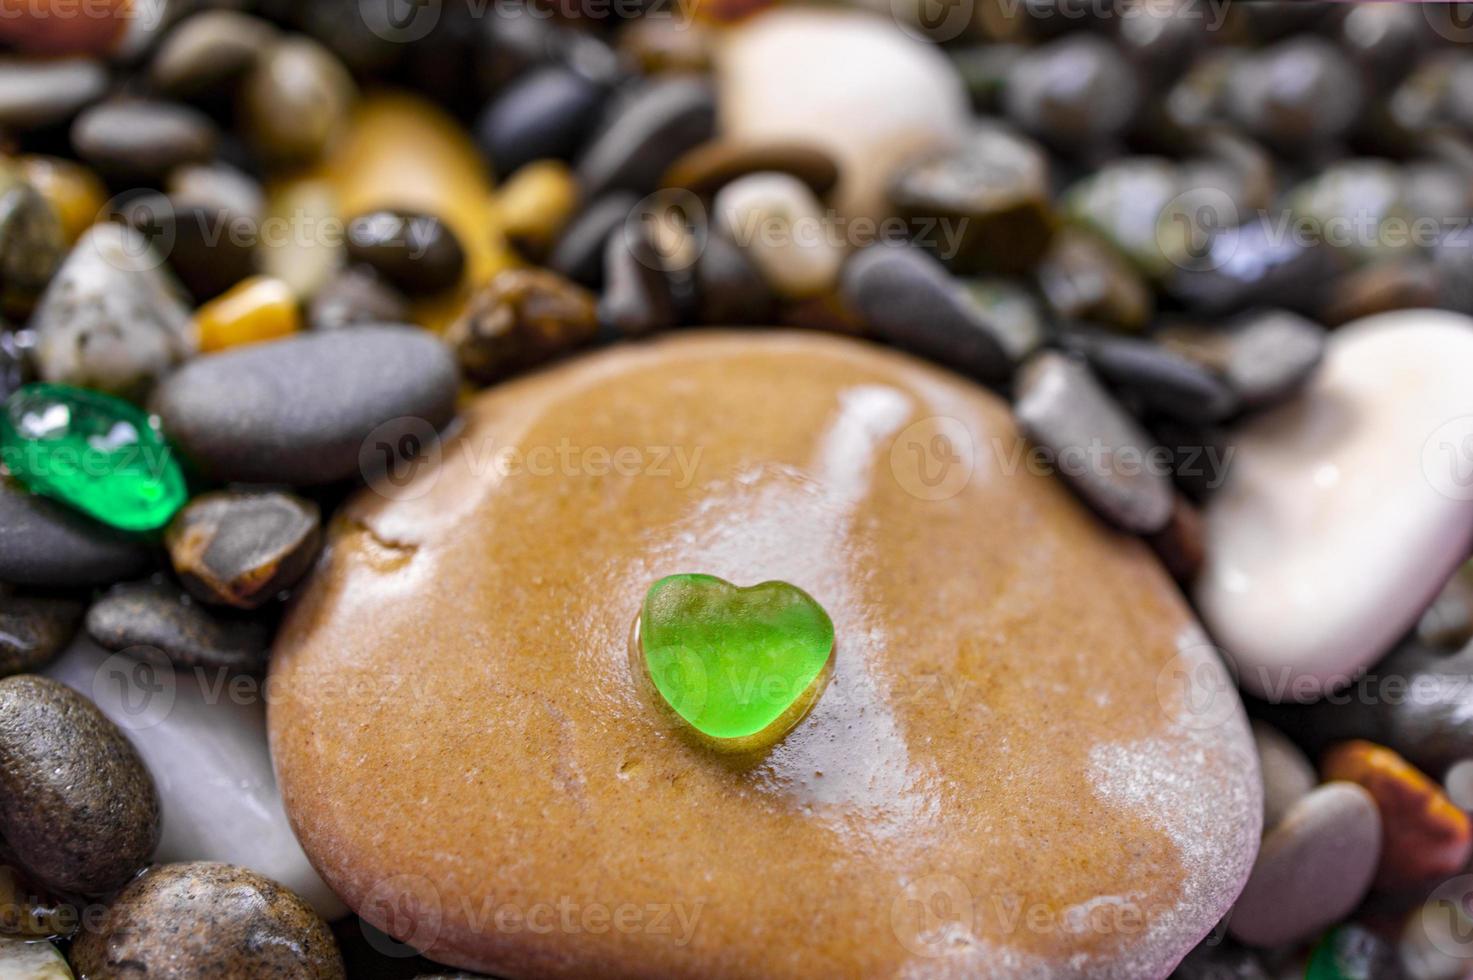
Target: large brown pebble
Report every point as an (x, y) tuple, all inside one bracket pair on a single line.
[(77, 805), (241, 549), (187, 921)]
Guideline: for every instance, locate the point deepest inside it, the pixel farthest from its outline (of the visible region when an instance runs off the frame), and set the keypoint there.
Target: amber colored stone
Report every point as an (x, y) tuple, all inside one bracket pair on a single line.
[(76, 194), (256, 309), (535, 204), (65, 26), (1425, 835)]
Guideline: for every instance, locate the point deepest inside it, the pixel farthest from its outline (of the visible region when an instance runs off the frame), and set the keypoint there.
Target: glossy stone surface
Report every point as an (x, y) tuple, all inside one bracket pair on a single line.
[(97, 453), (436, 642), (46, 543), (253, 310), (731, 661), (1370, 460), (853, 84)]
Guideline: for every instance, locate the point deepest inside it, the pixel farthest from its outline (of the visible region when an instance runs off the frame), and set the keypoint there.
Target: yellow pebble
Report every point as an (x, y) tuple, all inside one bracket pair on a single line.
[(253, 310), (536, 203), (74, 192)]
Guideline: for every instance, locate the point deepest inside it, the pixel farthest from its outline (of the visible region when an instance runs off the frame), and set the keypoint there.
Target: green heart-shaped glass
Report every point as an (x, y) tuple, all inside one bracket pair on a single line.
[(732, 661)]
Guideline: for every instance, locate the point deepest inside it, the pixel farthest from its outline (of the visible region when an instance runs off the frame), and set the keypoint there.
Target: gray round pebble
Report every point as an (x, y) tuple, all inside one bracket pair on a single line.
[(644, 133), (298, 411), (143, 140), (155, 621), (37, 93), (1287, 774), (43, 543)]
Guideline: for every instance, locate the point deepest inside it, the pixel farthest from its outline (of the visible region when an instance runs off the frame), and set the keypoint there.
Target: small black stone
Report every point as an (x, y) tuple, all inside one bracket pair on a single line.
[(156, 621), (416, 252), (545, 114)]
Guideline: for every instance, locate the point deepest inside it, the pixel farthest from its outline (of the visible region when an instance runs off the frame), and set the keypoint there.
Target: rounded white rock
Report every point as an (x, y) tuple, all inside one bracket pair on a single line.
[(1344, 511)]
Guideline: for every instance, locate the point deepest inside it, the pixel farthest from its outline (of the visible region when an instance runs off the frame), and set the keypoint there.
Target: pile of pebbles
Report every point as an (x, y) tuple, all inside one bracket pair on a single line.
[(1216, 256)]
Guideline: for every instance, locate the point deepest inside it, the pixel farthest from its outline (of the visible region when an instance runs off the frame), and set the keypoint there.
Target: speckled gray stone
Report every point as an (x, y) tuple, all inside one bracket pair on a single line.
[(159, 617), (298, 411), (77, 805), (185, 921)]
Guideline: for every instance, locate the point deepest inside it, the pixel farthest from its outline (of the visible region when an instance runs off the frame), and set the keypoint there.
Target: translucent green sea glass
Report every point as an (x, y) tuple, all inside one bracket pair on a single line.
[(93, 451), (732, 661)]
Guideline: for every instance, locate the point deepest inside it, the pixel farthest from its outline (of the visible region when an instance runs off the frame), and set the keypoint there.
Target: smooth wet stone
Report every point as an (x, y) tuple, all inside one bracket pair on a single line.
[(1288, 776), (140, 140), (909, 299), (545, 114), (1368, 460), (93, 452), (76, 194), (254, 310), (780, 224), (993, 190), (520, 319), (579, 252), (46, 543), (306, 263), (207, 50), (637, 297), (536, 204), (299, 410), (1130, 791), (201, 919), (709, 167), (157, 621), (1085, 278), (242, 549), (1425, 837), (211, 221), (32, 961), (853, 84), (111, 319), (78, 808), (1298, 94), (1313, 868), (39, 93), (353, 297), (1128, 202), (1395, 284), (1075, 93), (33, 629), (1252, 265), (643, 132), (1358, 206), (296, 101), (1264, 355), (1448, 622), (31, 243), (1156, 376), (418, 253), (1094, 444), (731, 289), (205, 743)]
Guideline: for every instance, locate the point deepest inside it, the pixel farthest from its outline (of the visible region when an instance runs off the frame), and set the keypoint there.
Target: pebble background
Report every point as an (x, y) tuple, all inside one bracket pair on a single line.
[(1231, 237)]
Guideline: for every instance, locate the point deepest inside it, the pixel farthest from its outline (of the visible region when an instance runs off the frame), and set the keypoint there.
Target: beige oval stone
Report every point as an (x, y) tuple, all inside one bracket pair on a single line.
[(1009, 774), (852, 83)]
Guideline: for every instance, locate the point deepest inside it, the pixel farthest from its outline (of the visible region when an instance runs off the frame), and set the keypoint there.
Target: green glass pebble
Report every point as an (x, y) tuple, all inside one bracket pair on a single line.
[(1351, 952), (92, 451), (732, 661)]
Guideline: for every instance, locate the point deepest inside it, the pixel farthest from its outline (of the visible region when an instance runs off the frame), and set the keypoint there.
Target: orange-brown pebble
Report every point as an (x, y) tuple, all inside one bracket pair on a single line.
[(75, 193), (1424, 835), (65, 26), (255, 309)]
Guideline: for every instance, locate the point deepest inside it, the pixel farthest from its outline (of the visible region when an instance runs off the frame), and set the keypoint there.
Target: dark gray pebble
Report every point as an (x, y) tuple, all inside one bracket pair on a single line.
[(33, 629), (143, 140), (579, 253), (1095, 446), (46, 544), (730, 288), (183, 921), (1219, 958), (298, 411), (909, 299), (1075, 93), (637, 298), (1255, 264), (1155, 376), (208, 49), (1263, 355), (644, 132), (416, 252), (241, 549), (545, 114), (1297, 94), (77, 805), (159, 623)]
